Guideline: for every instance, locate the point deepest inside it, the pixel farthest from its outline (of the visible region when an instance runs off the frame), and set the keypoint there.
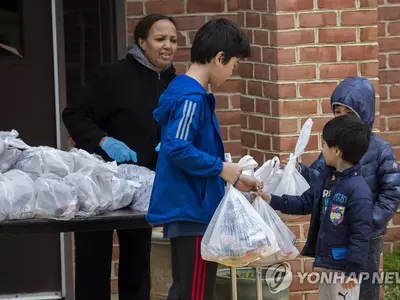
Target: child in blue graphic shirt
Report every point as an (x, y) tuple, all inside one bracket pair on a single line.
[(191, 172), (340, 204)]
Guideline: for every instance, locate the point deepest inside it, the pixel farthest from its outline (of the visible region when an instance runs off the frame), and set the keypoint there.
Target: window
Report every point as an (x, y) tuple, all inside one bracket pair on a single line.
[(11, 28)]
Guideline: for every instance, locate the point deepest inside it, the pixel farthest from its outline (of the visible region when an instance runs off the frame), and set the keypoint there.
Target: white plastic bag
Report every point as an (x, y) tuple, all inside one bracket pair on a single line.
[(237, 235), (292, 182), (284, 236), (8, 159), (143, 176), (17, 196), (38, 161), (55, 198), (12, 141)]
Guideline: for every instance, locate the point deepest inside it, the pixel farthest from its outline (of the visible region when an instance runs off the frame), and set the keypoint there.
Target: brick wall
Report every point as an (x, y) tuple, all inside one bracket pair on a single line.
[(301, 49), (389, 78)]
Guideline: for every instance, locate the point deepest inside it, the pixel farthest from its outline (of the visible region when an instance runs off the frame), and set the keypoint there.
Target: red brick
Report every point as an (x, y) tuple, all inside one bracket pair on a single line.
[(312, 297), (318, 54), (134, 8), (389, 76), (393, 1), (235, 133), (294, 108), (394, 28), (388, 13), (317, 19), (263, 142), (222, 101), (230, 86), (370, 69), (309, 157), (318, 123), (392, 235), (234, 148), (263, 106), (256, 122), (279, 91), (189, 23), (394, 91), (382, 61), (115, 253), (308, 265), (383, 93), (235, 101), (173, 7), (296, 230), (180, 68), (339, 4), (248, 139), (255, 53), (232, 5), (369, 34), (224, 132), (261, 37), (182, 54), (293, 72), (260, 5), (244, 4), (245, 70), (317, 89), (253, 19), (391, 137), (296, 296), (257, 155), (360, 52), (304, 286), (201, 6), (337, 35), (381, 29), (244, 121), (114, 286), (131, 24), (271, 21), (278, 5), (394, 123), (359, 18), (326, 106), (368, 3), (288, 38), (247, 104), (338, 70), (255, 88), (261, 72), (389, 44), (394, 60), (281, 56), (272, 125), (231, 16), (396, 219), (228, 117)]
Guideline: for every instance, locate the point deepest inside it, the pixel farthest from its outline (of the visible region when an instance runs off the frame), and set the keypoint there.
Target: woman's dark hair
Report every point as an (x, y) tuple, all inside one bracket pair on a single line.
[(143, 27)]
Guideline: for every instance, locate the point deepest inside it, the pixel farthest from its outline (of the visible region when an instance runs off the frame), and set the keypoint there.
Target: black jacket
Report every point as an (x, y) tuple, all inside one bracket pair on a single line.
[(119, 102)]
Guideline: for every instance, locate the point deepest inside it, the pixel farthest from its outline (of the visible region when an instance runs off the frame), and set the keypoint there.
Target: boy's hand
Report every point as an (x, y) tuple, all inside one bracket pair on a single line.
[(265, 196), (285, 162), (247, 183), (231, 172), (349, 283)]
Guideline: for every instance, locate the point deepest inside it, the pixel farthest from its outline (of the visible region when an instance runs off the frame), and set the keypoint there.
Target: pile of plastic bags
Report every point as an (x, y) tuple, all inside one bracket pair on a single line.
[(44, 182)]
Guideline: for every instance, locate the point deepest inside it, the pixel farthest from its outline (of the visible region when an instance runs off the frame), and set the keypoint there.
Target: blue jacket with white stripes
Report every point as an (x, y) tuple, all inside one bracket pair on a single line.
[(187, 185)]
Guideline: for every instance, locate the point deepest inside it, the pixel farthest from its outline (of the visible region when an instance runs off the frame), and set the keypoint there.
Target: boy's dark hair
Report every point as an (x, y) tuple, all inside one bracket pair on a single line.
[(219, 35), (143, 27), (350, 134)]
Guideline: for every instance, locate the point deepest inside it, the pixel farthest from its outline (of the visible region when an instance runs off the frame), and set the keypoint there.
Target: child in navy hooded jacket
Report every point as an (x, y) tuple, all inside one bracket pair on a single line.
[(356, 95), (191, 172), (340, 204)]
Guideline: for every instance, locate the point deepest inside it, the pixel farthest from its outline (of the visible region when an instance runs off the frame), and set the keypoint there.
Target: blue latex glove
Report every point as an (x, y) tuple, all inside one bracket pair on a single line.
[(158, 147), (118, 150)]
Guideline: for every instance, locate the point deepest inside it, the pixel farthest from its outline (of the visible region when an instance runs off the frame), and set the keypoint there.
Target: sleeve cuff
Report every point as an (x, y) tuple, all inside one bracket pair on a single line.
[(276, 202)]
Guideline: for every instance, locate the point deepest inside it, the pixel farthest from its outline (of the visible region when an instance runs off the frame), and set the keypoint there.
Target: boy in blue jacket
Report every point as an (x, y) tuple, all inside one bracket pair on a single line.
[(340, 204), (356, 95), (191, 172)]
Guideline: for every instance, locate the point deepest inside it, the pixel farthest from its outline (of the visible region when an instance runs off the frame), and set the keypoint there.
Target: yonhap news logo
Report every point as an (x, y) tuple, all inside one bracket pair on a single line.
[(278, 277)]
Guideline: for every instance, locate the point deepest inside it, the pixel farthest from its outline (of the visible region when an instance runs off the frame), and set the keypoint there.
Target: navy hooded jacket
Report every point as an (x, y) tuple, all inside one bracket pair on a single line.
[(187, 185), (341, 240), (378, 166)]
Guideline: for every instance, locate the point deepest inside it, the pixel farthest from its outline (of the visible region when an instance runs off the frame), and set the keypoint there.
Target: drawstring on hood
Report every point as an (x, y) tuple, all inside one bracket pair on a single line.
[(357, 94), (138, 54)]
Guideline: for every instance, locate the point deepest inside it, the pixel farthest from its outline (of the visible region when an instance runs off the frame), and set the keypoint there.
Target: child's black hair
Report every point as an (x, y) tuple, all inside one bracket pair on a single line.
[(219, 35), (350, 134)]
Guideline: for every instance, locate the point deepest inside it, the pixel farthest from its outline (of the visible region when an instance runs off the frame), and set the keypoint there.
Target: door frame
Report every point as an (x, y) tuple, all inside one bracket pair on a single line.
[(60, 98)]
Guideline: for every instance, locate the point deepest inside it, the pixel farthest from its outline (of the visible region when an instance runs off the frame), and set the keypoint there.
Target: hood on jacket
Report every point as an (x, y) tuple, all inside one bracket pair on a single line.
[(358, 94), (180, 87), (138, 54)]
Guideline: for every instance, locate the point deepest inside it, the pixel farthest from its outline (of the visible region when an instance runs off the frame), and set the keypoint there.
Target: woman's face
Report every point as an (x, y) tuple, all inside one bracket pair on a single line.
[(161, 43)]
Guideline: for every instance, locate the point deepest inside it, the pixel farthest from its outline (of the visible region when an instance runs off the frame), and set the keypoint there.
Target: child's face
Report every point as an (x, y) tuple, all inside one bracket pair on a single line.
[(220, 72), (340, 110), (330, 155)]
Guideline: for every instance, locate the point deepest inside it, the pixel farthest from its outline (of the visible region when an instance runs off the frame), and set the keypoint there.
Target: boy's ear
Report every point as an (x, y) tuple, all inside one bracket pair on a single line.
[(219, 59), (338, 152)]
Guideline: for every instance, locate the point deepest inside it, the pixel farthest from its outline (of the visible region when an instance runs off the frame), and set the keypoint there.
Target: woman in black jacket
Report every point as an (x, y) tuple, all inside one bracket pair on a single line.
[(113, 116)]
